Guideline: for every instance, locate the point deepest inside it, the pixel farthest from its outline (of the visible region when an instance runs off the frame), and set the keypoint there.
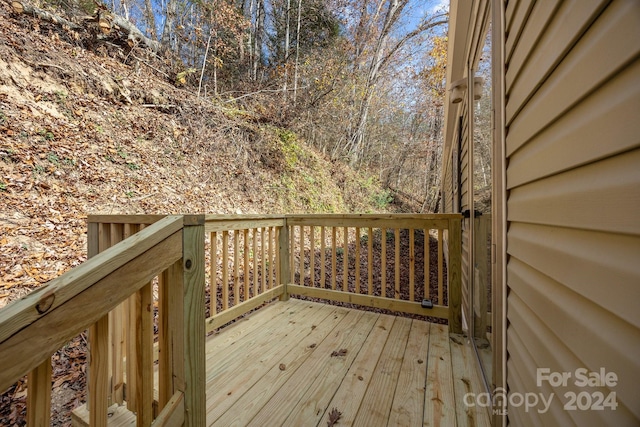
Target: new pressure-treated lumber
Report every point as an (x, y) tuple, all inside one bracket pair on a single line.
[(370, 261), (193, 332), (320, 390), (144, 355), (130, 335), (376, 404), (226, 316), (88, 292), (419, 221), (298, 379), (439, 400), (284, 266), (254, 390), (408, 401), (236, 268), (39, 395), (403, 306), (99, 372), (465, 381), (56, 292), (454, 276), (124, 219), (241, 222), (116, 328), (352, 389), (172, 414), (170, 370), (275, 411)]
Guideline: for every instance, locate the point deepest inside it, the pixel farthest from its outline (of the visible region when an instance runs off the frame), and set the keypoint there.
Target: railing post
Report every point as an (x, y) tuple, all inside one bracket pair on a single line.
[(455, 275), (194, 320), (283, 254)]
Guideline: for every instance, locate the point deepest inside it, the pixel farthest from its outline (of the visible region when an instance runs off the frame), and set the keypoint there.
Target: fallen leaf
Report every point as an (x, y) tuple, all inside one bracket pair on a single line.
[(334, 416)]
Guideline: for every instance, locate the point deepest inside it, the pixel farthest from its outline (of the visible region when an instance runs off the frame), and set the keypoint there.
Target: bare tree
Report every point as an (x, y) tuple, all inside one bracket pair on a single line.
[(385, 47)]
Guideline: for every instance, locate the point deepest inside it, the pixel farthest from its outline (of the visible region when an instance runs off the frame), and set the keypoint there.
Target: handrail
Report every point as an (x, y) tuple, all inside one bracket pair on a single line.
[(55, 313), (119, 272)]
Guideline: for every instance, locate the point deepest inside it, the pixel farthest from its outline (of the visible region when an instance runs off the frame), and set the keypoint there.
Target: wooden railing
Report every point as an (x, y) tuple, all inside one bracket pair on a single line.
[(392, 262), (189, 275), (246, 265), (112, 295)]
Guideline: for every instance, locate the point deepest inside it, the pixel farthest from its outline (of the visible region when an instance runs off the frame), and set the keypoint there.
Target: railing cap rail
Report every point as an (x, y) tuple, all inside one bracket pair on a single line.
[(20, 315)]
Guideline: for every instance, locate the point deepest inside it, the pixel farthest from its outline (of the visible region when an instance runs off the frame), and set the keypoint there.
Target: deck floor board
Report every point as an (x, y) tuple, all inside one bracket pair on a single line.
[(280, 371), (376, 405), (408, 402), (353, 387)]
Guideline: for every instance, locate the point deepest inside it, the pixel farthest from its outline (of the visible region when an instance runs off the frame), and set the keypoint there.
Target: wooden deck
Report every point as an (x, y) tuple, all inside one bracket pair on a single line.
[(293, 362)]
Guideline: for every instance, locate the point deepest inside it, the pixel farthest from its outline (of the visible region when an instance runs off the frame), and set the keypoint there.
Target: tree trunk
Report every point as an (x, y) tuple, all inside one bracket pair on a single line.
[(204, 62), (150, 20), (19, 7), (295, 78), (381, 57), (258, 37), (169, 23), (106, 22), (286, 50), (393, 14), (135, 36)]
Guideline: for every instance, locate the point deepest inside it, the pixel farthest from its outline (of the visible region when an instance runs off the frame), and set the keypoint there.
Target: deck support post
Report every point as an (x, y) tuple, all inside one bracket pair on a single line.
[(193, 283), (455, 275), (284, 257)]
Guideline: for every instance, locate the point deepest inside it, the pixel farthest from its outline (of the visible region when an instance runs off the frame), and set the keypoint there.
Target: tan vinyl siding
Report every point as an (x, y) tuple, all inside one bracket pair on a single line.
[(517, 12), (583, 135), (550, 48), (573, 204), (592, 62)]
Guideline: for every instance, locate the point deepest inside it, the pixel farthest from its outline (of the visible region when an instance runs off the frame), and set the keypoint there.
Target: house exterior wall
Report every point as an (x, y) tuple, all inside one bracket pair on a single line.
[(566, 201), (572, 126)]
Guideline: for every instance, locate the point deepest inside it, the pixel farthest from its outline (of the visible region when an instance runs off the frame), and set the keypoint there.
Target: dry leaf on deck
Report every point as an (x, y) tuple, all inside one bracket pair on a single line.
[(334, 416)]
